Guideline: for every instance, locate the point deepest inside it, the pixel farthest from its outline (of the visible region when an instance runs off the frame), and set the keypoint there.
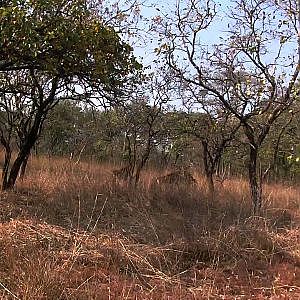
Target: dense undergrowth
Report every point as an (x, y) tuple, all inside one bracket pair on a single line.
[(70, 231)]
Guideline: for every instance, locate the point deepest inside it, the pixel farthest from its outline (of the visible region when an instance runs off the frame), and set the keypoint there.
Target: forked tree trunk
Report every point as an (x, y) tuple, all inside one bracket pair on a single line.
[(11, 177), (15, 169)]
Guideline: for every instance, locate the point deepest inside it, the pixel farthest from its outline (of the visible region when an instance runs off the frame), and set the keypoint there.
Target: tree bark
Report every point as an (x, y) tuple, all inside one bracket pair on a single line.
[(211, 185), (140, 167), (24, 166), (23, 154), (5, 169), (209, 171), (15, 169), (144, 158), (255, 184)]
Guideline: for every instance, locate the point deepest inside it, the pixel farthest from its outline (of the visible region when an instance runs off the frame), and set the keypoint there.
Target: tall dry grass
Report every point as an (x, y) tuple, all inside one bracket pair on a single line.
[(70, 231)]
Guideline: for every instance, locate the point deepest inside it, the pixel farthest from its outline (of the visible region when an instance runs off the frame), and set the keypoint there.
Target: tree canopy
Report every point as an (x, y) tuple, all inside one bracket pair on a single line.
[(52, 51)]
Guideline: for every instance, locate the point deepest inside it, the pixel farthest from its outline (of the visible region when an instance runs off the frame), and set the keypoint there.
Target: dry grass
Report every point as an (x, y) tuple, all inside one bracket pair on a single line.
[(70, 232)]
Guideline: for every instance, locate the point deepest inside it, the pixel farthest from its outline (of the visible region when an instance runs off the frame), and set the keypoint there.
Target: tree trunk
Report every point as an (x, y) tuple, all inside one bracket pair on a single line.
[(23, 154), (255, 184), (144, 159), (140, 167), (209, 171), (15, 169), (137, 174), (5, 169), (211, 185), (24, 166)]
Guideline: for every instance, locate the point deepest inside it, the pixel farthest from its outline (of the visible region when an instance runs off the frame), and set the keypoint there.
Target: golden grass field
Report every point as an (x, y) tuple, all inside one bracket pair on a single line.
[(69, 231)]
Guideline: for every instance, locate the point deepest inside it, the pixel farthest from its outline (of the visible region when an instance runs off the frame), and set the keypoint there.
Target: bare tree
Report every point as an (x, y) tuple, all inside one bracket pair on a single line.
[(143, 121), (251, 72), (215, 133)]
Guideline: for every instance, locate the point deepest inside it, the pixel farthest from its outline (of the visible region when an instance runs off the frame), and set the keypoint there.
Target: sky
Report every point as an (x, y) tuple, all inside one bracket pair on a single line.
[(144, 49)]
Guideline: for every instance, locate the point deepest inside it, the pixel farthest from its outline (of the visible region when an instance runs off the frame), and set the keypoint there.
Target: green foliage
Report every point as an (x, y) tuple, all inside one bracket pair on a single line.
[(62, 128), (62, 38)]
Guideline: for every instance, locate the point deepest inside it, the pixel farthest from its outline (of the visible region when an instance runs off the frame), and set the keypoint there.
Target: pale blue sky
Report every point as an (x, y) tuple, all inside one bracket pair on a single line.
[(145, 48)]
